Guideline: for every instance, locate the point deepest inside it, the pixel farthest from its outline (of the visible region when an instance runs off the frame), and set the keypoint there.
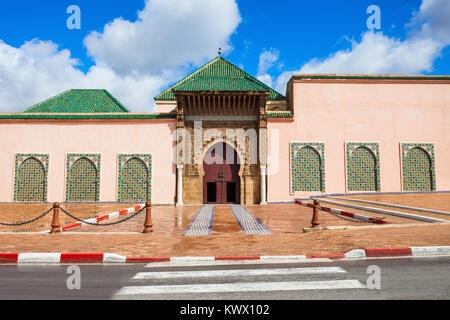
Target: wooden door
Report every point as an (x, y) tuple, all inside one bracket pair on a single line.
[(221, 183)]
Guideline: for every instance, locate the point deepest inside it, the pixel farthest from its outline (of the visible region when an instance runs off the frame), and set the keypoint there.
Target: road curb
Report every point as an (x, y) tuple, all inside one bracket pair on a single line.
[(105, 258), (388, 252)]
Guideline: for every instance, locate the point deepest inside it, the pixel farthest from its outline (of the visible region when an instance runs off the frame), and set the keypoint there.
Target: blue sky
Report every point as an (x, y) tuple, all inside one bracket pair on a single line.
[(269, 39)]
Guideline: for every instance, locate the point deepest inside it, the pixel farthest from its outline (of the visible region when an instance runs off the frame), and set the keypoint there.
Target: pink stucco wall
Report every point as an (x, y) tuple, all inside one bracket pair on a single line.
[(57, 138), (387, 113), (333, 113)]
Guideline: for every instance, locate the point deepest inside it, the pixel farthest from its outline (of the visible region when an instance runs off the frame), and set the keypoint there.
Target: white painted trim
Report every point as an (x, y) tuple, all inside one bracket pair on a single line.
[(426, 251), (113, 258), (188, 259), (39, 258)]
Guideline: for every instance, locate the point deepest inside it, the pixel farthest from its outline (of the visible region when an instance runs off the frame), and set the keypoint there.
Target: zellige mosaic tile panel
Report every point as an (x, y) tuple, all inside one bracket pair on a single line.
[(418, 167), (83, 177), (135, 176), (30, 183), (307, 167), (363, 167)]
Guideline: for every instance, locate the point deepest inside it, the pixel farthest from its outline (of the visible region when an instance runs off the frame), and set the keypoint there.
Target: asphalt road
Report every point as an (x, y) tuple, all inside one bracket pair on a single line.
[(400, 278)]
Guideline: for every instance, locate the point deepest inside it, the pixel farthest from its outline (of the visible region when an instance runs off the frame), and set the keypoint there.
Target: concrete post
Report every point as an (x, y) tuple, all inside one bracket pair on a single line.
[(179, 185), (263, 185)]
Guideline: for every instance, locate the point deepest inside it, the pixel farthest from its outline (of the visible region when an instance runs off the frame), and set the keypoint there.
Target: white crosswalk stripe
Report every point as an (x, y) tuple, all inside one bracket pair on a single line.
[(242, 287), (235, 273), (237, 280)]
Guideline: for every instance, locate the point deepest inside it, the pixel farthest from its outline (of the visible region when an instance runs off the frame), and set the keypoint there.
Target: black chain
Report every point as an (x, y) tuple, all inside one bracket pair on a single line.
[(346, 219), (353, 220), (103, 224), (26, 222)]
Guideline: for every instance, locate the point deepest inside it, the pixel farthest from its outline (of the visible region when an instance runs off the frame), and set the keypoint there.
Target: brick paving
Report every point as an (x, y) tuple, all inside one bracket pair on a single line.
[(167, 220), (278, 218), (224, 221), (19, 212), (286, 221), (237, 244)]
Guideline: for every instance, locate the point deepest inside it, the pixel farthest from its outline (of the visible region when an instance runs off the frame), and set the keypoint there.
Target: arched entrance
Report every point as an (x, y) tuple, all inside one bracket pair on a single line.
[(221, 182)]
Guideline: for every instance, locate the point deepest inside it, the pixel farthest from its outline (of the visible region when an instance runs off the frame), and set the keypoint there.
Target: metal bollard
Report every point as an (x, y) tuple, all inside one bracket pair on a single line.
[(148, 225), (56, 224), (315, 220)]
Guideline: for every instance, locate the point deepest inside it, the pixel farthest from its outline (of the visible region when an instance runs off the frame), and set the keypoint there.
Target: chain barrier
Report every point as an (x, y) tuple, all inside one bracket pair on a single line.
[(26, 222), (102, 224), (353, 220)]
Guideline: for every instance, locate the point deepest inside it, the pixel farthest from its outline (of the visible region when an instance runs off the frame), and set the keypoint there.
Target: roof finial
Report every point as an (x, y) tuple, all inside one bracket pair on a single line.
[(220, 51)]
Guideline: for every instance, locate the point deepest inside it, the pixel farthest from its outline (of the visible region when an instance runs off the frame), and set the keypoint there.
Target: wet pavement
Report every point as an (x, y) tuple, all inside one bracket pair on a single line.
[(174, 221), (20, 212), (285, 222)]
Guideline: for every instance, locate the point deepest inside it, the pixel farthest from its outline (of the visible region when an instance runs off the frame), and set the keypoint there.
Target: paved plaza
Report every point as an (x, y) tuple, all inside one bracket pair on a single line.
[(275, 229)]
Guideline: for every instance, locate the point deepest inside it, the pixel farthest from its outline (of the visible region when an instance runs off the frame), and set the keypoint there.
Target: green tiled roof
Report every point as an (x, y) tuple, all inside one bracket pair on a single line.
[(280, 115), (219, 75), (220, 83), (79, 101)]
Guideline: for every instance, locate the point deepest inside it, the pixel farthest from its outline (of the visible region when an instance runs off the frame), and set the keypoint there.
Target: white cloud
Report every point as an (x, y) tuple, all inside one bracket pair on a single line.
[(433, 21), (39, 70), (267, 60), (133, 60), (377, 53), (167, 34), (266, 78)]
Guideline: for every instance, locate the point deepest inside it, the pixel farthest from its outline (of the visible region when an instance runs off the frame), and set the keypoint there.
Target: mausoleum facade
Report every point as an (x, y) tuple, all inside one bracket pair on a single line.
[(222, 136)]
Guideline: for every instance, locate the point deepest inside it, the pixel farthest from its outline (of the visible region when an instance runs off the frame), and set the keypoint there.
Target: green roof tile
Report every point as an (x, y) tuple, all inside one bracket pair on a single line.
[(219, 75), (80, 101), (220, 83)]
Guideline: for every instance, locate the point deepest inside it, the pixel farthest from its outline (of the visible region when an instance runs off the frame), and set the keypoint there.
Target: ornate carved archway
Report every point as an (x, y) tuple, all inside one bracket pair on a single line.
[(218, 114)]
